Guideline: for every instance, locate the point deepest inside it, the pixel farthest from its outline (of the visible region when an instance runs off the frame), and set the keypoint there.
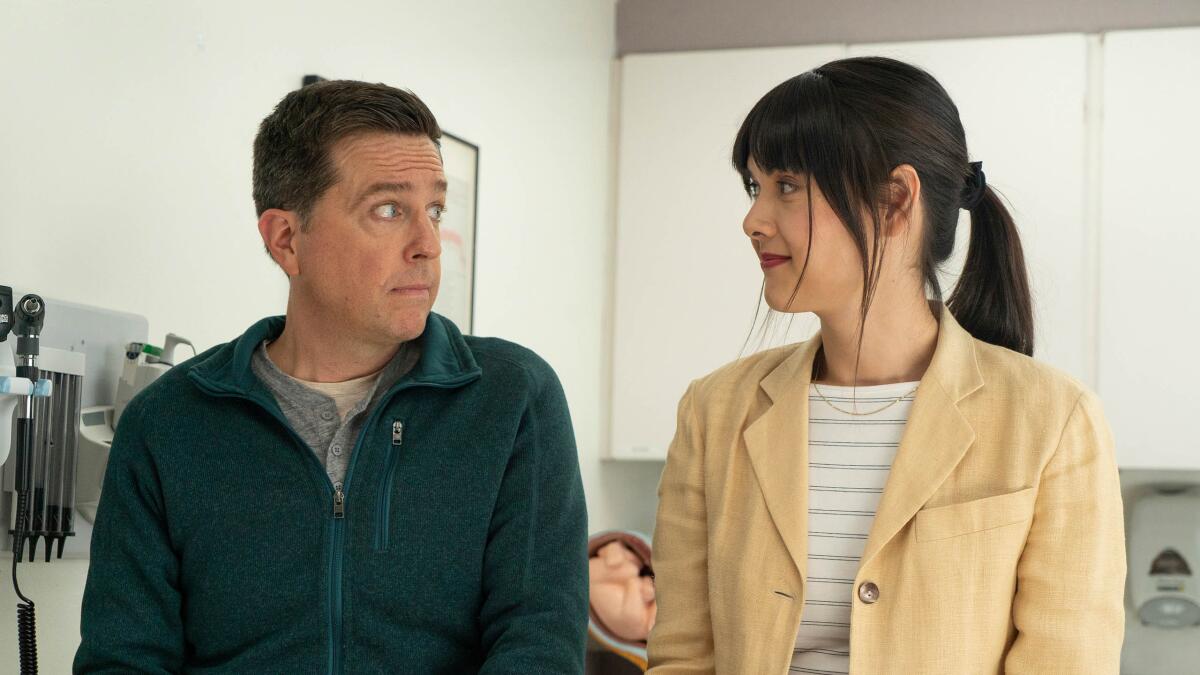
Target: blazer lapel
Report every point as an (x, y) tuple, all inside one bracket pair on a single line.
[(936, 437), (777, 442)]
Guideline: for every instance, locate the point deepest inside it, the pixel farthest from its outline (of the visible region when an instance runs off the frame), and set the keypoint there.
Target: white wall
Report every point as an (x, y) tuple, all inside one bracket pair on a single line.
[(125, 139)]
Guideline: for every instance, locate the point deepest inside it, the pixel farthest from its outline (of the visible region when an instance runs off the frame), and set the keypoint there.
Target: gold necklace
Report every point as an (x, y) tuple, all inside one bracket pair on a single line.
[(860, 414)]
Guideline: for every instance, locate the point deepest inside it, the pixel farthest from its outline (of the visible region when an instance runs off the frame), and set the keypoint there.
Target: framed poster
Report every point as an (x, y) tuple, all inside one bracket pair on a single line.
[(456, 297)]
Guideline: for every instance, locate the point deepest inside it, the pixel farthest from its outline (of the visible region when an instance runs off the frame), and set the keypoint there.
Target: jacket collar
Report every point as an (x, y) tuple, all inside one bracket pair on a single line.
[(935, 439), (446, 359)]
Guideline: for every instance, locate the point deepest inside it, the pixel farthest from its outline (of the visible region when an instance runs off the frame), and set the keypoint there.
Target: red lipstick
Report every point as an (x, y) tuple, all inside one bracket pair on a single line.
[(769, 260)]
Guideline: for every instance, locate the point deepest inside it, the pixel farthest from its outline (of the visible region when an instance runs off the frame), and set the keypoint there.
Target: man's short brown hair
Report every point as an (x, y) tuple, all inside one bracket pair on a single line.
[(293, 166)]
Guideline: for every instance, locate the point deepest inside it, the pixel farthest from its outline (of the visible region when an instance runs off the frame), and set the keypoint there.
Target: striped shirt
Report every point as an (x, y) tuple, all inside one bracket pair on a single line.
[(849, 458)]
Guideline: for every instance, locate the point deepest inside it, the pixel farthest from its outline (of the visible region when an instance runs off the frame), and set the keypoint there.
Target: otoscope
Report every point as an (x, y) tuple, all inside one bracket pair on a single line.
[(30, 312)]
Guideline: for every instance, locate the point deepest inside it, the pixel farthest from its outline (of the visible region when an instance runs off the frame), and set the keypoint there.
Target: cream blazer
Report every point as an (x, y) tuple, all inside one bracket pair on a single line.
[(998, 546)]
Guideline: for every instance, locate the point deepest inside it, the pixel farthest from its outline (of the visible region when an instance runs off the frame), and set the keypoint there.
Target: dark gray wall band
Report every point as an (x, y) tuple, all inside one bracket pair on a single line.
[(686, 25)]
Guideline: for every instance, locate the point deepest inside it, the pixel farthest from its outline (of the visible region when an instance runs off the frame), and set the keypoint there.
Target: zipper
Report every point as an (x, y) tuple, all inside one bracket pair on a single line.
[(339, 502), (383, 508), (337, 529), (336, 620), (335, 594), (337, 523), (335, 567)]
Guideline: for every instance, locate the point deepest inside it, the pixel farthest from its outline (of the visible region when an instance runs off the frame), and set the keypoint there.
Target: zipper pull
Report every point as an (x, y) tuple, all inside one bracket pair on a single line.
[(339, 502), (397, 432)]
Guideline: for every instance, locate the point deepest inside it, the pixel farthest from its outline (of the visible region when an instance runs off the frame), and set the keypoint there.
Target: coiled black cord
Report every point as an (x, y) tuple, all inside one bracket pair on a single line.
[(26, 621), (27, 637)]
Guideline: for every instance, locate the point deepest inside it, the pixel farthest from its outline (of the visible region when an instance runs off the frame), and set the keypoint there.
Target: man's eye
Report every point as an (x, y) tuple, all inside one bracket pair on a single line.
[(437, 212), (387, 211)]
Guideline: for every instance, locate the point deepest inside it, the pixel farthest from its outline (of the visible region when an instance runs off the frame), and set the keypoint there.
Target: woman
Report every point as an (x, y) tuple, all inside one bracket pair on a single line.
[(908, 491)]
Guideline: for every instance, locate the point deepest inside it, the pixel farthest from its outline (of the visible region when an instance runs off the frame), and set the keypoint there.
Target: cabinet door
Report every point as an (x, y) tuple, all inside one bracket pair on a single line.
[(1022, 104), (687, 281), (1150, 234)]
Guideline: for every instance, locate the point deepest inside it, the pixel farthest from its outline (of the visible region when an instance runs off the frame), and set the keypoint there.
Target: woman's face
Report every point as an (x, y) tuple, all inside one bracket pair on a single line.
[(780, 232)]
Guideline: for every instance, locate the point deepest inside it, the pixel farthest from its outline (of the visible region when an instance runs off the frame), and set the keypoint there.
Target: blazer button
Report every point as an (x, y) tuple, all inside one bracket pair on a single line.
[(868, 593)]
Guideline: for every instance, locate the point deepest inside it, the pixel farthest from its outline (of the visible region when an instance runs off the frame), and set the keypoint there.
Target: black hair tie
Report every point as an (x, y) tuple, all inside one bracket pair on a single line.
[(975, 187)]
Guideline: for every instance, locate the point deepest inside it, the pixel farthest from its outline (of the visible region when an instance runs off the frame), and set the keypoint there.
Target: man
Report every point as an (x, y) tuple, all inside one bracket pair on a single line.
[(355, 487)]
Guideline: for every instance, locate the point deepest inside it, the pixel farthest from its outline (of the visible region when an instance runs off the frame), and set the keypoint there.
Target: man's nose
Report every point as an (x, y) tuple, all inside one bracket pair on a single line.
[(428, 242)]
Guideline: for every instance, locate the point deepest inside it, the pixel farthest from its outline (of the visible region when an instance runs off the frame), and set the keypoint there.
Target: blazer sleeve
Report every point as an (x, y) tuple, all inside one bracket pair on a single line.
[(1069, 607), (681, 641)]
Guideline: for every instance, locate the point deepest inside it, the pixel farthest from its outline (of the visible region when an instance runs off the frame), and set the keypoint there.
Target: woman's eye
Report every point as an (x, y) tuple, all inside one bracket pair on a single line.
[(387, 211), (436, 212), (787, 188), (752, 189)]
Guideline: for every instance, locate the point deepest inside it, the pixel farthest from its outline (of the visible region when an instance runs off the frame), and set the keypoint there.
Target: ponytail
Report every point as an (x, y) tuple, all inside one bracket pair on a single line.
[(992, 298)]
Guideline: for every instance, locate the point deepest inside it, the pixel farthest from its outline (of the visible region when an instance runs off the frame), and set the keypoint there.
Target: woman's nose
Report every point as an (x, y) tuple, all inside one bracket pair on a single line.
[(756, 224)]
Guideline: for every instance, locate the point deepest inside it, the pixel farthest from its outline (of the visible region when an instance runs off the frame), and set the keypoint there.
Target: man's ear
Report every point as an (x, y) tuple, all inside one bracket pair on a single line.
[(279, 230), (903, 200)]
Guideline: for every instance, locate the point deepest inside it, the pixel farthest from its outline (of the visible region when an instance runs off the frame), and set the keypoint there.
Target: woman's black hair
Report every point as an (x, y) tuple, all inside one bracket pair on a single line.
[(847, 125)]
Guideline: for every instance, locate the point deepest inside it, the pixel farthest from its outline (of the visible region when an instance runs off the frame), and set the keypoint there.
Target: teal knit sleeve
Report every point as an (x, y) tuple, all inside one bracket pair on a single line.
[(131, 620), (535, 610)]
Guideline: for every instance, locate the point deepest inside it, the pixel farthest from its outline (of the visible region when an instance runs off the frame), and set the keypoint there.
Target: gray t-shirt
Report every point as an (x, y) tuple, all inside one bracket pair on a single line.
[(315, 414)]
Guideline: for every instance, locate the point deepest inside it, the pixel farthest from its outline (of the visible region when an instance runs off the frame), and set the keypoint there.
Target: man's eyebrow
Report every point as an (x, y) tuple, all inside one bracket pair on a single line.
[(404, 186)]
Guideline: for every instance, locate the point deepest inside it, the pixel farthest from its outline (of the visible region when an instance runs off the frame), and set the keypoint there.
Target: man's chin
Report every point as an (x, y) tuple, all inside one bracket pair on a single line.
[(408, 326)]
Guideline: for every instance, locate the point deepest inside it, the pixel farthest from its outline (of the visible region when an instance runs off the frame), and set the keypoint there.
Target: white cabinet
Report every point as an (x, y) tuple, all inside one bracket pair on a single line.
[(1150, 246), (687, 281)]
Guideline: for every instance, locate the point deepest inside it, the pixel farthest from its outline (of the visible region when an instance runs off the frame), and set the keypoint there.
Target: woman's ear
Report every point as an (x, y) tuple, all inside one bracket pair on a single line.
[(903, 200)]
